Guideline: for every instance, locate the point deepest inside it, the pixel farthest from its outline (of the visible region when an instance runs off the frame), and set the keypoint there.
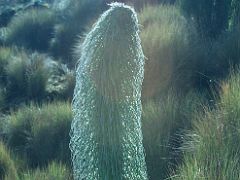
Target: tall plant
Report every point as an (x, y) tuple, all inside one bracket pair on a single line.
[(106, 137)]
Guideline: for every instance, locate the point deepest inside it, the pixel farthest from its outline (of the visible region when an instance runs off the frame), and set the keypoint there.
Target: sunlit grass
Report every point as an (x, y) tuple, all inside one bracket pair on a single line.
[(54, 171), (212, 148), (166, 39), (8, 170)]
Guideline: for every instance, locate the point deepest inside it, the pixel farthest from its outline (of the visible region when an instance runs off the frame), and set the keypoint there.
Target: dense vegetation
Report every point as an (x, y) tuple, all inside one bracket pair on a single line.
[(190, 96)]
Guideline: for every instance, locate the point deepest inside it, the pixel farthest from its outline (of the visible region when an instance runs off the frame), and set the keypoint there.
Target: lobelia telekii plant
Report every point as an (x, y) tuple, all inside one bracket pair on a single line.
[(106, 136)]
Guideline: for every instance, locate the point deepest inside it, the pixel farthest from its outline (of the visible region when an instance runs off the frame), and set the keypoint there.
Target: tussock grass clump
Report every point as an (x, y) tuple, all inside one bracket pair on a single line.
[(61, 82), (212, 147), (40, 134), (8, 170), (167, 39), (31, 29), (77, 16), (26, 77), (178, 56), (164, 121), (54, 171)]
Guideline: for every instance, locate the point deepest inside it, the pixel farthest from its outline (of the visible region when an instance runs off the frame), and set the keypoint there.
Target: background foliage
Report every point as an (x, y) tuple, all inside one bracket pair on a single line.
[(190, 91)]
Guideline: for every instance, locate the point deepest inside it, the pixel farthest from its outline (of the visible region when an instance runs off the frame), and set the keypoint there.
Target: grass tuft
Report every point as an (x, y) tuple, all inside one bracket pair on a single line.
[(31, 29), (163, 123), (166, 39), (212, 147), (54, 171), (40, 134), (8, 170), (27, 77)]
